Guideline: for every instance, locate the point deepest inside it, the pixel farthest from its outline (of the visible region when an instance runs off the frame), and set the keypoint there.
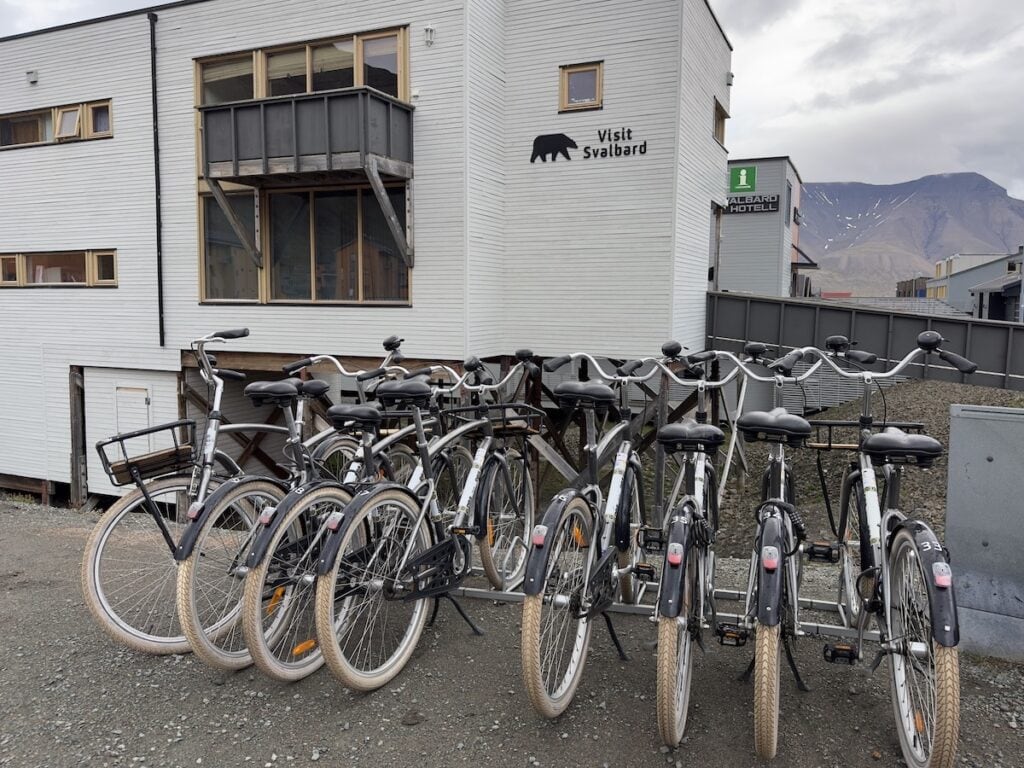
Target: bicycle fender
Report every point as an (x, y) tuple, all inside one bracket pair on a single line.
[(338, 528), (199, 514), (268, 529), (670, 596), (537, 560), (941, 600), (769, 582)]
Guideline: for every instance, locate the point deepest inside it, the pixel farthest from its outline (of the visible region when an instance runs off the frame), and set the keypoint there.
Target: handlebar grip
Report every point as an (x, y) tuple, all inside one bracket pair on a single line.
[(786, 362), (523, 354), (861, 356), (234, 333), (425, 371), (962, 364), (555, 363), (298, 365), (376, 373), (472, 363), (627, 368), (701, 357), (225, 373)]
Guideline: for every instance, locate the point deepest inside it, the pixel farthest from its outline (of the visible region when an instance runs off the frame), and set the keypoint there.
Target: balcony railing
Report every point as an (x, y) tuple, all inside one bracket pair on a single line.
[(328, 131)]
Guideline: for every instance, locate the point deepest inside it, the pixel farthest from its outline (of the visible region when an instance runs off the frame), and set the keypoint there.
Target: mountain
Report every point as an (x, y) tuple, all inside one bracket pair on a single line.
[(867, 237)]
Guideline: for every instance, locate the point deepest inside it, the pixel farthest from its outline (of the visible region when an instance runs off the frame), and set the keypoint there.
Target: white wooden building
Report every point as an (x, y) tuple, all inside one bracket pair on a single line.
[(549, 171)]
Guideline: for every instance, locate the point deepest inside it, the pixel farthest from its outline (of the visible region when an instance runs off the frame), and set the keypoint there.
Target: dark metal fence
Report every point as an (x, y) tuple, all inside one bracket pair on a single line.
[(997, 347)]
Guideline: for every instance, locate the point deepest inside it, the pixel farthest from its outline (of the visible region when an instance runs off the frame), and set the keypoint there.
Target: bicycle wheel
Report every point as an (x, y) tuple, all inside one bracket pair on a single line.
[(278, 619), (628, 522), (210, 585), (334, 456), (129, 571), (367, 631), (925, 676), (766, 690), (509, 508), (446, 484), (403, 461), (853, 559), (555, 635), (675, 658)]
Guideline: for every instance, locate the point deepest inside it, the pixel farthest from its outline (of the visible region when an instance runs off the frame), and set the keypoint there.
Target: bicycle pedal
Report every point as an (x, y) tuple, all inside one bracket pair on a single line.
[(835, 653), (473, 530), (645, 572), (731, 634), (822, 552), (651, 540)]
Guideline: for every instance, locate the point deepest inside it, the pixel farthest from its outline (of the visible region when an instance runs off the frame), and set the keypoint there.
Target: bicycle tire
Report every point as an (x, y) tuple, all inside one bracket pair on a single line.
[(629, 517), (334, 455), (400, 462), (149, 623), (278, 619), (550, 689), (766, 690), (366, 636), (509, 512), (856, 554), (210, 588), (928, 724), (675, 660)]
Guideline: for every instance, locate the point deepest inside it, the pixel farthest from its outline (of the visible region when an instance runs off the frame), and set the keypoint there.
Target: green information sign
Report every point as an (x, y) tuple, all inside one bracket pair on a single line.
[(743, 178)]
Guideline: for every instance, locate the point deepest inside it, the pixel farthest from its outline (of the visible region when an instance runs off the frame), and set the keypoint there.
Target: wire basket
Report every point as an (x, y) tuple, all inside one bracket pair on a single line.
[(123, 469), (848, 439)]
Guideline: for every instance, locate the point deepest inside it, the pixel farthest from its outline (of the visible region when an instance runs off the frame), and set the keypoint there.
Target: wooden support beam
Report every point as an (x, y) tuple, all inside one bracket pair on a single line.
[(256, 439), (244, 237), (373, 165)]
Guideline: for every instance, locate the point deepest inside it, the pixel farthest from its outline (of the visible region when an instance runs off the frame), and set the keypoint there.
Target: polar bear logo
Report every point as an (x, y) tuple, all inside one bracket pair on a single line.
[(553, 144)]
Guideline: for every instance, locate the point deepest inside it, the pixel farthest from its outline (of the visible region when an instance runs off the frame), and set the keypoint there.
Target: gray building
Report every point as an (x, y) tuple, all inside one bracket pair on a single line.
[(961, 274), (760, 250), (1000, 297)]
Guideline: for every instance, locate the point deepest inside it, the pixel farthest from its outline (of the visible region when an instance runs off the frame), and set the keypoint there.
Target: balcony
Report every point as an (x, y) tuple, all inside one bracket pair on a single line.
[(332, 135)]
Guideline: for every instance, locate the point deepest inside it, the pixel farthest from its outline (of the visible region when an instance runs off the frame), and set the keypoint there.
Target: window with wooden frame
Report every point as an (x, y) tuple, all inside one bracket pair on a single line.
[(720, 117), (581, 86), (373, 59), (229, 271), (65, 268), (73, 122)]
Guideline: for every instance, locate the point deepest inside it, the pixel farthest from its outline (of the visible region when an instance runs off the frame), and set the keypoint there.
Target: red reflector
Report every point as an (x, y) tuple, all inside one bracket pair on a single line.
[(943, 575), (193, 510), (334, 521), (674, 554), (540, 533), (770, 558), (268, 515)]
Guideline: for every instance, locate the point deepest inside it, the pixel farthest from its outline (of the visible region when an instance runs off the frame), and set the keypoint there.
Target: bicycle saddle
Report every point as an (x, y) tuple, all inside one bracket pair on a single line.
[(570, 393), (775, 426), (894, 446), (280, 393), (415, 391), (689, 435), (313, 388), (343, 416)]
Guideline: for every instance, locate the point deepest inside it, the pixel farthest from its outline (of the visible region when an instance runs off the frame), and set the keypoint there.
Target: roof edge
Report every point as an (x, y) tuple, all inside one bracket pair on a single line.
[(718, 24), (100, 19)]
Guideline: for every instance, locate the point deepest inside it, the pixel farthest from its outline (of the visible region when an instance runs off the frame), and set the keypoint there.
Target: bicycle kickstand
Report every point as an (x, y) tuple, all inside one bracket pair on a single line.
[(465, 616), (792, 664), (615, 637)]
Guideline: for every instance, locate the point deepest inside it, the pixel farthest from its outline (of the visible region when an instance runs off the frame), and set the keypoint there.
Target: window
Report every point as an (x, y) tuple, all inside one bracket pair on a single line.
[(68, 122), (789, 203), (77, 268), (230, 272), (91, 120), (289, 247), (227, 80), (31, 128), (720, 117), (581, 86), (376, 60), (99, 120)]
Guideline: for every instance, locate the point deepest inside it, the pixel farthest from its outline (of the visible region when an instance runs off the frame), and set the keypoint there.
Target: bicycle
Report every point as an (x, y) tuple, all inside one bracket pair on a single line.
[(894, 569), (584, 551), (128, 568), (393, 545)]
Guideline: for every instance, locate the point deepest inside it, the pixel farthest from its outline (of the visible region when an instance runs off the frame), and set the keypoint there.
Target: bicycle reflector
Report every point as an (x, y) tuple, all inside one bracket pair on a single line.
[(942, 574), (770, 558), (675, 554), (334, 520), (193, 510), (540, 533), (268, 515)]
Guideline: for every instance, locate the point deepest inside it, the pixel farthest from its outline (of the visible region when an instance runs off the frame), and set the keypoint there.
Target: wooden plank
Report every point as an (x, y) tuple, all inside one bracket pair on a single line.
[(397, 231), (553, 457), (243, 235)]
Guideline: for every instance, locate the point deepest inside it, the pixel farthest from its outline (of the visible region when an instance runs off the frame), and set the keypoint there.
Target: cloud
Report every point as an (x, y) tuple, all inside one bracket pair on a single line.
[(745, 16), (27, 15)]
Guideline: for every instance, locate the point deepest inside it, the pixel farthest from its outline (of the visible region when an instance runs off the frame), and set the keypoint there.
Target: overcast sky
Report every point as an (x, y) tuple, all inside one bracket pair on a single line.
[(879, 91)]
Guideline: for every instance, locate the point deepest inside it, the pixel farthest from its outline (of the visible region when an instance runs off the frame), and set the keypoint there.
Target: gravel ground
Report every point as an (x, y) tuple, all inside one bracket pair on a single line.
[(69, 697)]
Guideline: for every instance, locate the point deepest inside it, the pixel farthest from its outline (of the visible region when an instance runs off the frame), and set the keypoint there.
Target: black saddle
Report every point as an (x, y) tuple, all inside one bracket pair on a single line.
[(894, 446), (586, 393), (280, 393), (414, 391), (690, 436), (775, 426), (313, 388), (347, 416)]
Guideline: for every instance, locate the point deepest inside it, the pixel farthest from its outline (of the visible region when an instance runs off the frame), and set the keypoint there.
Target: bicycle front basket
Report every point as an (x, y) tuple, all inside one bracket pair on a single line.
[(177, 455)]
